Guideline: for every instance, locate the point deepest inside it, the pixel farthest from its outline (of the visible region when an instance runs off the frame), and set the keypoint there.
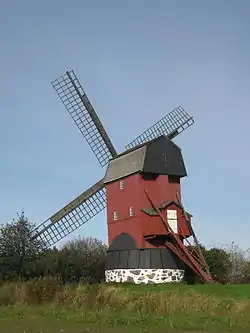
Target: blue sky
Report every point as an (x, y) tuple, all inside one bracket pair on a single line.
[(137, 60)]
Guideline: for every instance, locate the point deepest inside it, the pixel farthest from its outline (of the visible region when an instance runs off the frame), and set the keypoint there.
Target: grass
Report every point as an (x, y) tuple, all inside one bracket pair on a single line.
[(233, 291), (45, 306)]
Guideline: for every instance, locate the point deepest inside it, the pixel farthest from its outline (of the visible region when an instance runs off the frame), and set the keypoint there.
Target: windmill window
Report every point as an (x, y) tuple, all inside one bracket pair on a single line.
[(171, 214), (121, 185), (131, 213), (172, 220), (115, 216)]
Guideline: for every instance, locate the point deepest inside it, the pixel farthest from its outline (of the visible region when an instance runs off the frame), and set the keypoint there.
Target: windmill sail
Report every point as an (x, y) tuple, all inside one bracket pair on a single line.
[(75, 100), (72, 216), (91, 202), (171, 125)]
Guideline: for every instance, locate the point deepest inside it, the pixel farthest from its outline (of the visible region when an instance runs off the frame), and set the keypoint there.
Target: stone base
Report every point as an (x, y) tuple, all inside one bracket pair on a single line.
[(144, 276)]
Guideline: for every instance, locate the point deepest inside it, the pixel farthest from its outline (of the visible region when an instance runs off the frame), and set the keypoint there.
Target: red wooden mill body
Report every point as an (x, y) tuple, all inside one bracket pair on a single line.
[(146, 220), (136, 234)]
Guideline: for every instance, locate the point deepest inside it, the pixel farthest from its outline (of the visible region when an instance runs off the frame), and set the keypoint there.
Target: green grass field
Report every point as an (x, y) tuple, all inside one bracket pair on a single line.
[(46, 308)]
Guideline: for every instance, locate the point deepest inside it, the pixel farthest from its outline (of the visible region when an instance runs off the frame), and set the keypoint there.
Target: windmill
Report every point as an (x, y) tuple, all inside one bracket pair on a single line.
[(147, 223)]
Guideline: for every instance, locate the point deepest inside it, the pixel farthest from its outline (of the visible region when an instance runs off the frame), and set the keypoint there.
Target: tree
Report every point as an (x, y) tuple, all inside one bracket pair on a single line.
[(218, 261), (83, 260), (18, 249), (239, 265)]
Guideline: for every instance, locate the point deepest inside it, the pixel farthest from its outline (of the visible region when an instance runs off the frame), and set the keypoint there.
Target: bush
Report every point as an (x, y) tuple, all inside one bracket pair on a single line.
[(80, 260), (23, 257), (35, 291), (86, 258)]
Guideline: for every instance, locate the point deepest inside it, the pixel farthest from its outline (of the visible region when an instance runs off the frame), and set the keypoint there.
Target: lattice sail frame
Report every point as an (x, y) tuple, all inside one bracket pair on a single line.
[(76, 102), (74, 215), (93, 201), (171, 125)]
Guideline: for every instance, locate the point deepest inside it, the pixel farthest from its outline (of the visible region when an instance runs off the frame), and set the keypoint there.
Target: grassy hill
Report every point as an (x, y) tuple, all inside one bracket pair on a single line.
[(46, 306)]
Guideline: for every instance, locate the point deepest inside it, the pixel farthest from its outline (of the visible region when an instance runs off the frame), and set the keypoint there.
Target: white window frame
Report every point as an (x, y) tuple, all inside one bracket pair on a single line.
[(172, 220), (131, 212), (115, 215)]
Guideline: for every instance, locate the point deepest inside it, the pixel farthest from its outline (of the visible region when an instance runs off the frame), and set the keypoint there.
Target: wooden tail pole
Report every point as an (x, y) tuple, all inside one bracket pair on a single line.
[(199, 253), (200, 259), (178, 253), (181, 250)]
